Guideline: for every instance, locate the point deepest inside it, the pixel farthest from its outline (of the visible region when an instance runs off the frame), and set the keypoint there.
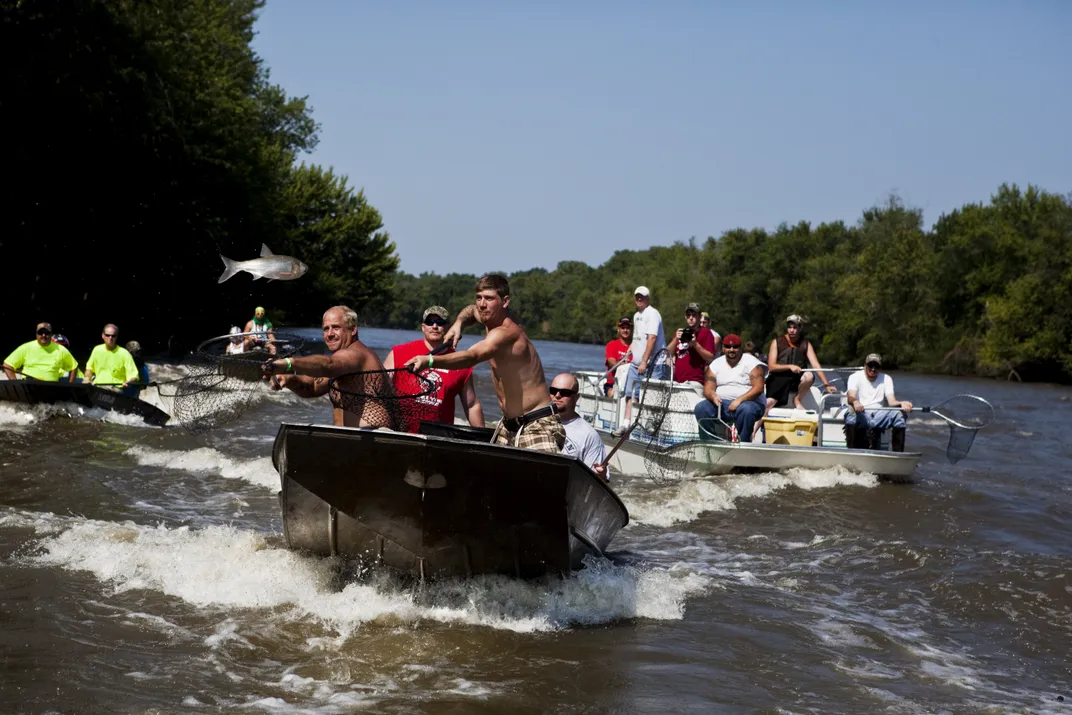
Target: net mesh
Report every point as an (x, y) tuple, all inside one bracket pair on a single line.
[(660, 422), (396, 399), (219, 386), (965, 415)]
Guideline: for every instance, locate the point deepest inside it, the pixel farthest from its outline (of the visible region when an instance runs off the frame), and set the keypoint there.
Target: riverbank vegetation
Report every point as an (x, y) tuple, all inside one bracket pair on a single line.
[(986, 291), (145, 138)]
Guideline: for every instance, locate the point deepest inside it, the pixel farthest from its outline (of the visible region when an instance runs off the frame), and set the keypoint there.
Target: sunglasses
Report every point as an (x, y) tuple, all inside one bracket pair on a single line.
[(563, 391), (730, 347), (109, 335), (873, 365), (435, 321), (42, 331)]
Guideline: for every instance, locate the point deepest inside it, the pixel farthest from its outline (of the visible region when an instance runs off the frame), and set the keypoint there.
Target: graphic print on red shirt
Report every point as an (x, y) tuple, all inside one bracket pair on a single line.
[(439, 405)]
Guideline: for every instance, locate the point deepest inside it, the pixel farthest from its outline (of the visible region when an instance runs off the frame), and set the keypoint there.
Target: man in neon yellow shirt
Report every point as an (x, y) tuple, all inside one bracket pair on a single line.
[(41, 359), (110, 364)]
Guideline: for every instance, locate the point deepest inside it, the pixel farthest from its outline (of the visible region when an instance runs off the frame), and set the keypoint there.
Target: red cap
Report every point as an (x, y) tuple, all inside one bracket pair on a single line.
[(731, 339)]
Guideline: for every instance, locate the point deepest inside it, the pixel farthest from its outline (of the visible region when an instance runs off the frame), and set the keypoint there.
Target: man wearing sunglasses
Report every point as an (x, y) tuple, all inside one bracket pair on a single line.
[(110, 363), (582, 441), (449, 384), (870, 397), (41, 359)]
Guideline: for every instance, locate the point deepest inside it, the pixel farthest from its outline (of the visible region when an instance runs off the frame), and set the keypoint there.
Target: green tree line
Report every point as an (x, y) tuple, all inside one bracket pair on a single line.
[(145, 139), (986, 291)]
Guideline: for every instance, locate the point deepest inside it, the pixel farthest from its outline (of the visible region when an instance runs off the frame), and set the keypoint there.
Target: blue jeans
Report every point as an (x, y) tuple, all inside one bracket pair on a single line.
[(744, 417), (634, 380), (875, 419)]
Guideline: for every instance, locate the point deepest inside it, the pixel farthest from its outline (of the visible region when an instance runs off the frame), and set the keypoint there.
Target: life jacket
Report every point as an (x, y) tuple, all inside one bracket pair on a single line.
[(789, 354)]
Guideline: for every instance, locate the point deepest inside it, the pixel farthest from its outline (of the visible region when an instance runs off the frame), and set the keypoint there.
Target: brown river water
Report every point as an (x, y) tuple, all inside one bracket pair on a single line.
[(143, 570)]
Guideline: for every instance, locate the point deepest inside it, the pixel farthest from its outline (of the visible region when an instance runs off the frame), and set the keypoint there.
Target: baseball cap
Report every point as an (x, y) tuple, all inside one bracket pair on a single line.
[(46, 326), (642, 290), (61, 339), (436, 310), (235, 330), (794, 318), (874, 357), (625, 321), (133, 347), (731, 340), (692, 307)]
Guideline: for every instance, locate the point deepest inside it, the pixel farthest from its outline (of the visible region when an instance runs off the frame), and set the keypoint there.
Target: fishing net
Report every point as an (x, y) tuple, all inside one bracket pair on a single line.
[(396, 399), (220, 384), (657, 425), (965, 415)]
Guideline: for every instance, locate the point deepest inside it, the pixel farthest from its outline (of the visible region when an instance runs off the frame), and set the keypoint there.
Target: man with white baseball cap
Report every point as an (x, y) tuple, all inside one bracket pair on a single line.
[(648, 339)]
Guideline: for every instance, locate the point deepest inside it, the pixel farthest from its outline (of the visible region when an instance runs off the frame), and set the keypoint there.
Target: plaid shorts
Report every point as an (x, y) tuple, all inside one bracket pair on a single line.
[(544, 435)]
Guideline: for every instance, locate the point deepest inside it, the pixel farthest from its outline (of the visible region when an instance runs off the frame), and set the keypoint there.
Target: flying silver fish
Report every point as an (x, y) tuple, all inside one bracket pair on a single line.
[(269, 265)]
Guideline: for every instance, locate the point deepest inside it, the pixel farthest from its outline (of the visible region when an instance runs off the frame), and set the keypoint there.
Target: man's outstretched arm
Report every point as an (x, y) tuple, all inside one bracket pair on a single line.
[(338, 363), (478, 353)]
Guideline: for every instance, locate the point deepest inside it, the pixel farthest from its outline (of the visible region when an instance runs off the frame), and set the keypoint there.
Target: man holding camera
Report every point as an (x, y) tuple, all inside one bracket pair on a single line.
[(693, 348)]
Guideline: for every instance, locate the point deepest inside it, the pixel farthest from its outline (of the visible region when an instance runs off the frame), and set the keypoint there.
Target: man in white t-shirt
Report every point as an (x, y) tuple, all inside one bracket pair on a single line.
[(582, 441), (734, 390), (870, 397), (648, 340)]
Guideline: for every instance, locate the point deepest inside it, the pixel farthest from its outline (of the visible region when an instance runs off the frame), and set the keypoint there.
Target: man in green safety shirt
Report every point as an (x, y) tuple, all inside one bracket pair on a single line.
[(109, 363), (41, 359)]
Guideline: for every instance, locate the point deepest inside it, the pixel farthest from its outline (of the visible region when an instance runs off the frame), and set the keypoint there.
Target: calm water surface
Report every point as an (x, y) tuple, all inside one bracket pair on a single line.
[(143, 570)]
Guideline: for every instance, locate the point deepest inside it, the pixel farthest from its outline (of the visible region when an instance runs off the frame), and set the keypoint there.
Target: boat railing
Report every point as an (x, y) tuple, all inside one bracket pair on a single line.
[(607, 413)]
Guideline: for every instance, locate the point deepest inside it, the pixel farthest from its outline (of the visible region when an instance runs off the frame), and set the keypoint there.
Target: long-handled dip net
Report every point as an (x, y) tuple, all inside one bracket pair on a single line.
[(397, 399), (221, 381), (965, 415), (654, 423)]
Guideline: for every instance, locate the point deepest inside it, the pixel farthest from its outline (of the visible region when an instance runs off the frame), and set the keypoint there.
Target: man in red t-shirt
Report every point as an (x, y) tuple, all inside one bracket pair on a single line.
[(616, 350), (449, 383), (693, 348)]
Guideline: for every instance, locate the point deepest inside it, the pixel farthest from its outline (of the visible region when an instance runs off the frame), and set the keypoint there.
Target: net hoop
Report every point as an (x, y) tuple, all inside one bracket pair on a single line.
[(220, 385)]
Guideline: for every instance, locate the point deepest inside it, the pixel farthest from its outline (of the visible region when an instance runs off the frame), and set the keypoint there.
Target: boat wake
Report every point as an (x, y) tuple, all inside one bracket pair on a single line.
[(688, 499), (222, 567), (13, 414), (258, 471)]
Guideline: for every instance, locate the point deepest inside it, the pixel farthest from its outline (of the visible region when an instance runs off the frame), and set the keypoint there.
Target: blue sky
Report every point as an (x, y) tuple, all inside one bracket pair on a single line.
[(509, 135)]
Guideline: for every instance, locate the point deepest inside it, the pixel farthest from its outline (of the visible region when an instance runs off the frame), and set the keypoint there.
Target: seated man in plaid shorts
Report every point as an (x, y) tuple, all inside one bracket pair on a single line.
[(530, 419)]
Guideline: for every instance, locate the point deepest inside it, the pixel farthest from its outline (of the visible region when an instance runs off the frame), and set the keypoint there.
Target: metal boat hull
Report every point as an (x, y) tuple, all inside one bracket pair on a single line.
[(706, 458), (438, 507), (40, 392)]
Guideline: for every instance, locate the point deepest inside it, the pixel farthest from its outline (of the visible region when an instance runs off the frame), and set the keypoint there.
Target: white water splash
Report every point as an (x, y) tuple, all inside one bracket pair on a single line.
[(22, 415), (258, 471), (231, 568), (686, 500)]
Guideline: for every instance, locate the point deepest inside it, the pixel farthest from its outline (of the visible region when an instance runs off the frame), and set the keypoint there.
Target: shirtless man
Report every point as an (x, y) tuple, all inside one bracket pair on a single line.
[(529, 419), (311, 376)]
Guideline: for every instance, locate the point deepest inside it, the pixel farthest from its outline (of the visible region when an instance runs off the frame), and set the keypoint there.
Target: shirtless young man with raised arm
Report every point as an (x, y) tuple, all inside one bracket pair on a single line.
[(529, 418), (311, 376)]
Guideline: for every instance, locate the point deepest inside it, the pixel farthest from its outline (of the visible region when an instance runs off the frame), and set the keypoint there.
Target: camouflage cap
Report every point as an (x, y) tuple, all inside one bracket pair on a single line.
[(436, 310)]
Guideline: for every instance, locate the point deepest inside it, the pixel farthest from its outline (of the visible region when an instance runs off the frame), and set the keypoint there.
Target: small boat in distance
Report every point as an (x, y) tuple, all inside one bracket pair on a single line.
[(30, 392), (442, 503)]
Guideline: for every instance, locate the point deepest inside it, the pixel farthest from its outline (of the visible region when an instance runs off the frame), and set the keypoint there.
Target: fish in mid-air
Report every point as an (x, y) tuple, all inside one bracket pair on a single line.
[(269, 265)]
